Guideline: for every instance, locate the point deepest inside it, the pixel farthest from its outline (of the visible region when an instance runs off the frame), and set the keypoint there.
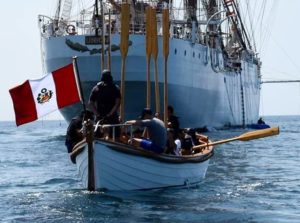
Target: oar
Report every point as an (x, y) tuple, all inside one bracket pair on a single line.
[(109, 40), (148, 53), (155, 54), (103, 65), (166, 31), (244, 137), (125, 16)]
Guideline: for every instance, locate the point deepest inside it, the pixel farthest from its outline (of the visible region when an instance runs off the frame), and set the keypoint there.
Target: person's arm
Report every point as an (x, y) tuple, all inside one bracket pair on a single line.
[(134, 122), (116, 106), (92, 101), (93, 107)]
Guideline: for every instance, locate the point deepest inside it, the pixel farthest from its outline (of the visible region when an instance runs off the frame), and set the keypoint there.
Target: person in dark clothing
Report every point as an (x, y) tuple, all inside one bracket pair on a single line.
[(173, 121), (173, 143), (74, 131), (105, 100), (260, 121)]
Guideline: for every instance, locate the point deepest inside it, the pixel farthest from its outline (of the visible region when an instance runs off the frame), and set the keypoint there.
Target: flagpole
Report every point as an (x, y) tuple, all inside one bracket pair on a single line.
[(89, 133), (75, 66)]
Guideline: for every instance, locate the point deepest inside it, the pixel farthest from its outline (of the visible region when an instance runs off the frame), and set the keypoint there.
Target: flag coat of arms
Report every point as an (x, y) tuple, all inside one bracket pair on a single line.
[(36, 98)]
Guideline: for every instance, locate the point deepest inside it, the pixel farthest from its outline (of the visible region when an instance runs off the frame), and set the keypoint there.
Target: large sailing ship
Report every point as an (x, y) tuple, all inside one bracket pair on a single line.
[(213, 71)]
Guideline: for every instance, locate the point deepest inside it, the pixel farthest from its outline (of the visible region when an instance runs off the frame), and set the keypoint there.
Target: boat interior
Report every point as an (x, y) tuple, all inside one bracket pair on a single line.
[(106, 135)]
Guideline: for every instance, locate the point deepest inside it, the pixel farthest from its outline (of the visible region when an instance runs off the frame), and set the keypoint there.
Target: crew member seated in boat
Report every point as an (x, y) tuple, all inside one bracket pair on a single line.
[(74, 131), (173, 143), (173, 121), (156, 129), (191, 138), (105, 101), (260, 121)]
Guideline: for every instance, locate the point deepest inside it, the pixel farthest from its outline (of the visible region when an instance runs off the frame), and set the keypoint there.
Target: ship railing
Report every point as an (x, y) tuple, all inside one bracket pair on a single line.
[(102, 127), (50, 27)]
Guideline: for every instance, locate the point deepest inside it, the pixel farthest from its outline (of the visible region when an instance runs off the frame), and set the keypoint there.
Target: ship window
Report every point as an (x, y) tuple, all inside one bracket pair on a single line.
[(193, 54), (175, 51), (199, 55), (185, 53)]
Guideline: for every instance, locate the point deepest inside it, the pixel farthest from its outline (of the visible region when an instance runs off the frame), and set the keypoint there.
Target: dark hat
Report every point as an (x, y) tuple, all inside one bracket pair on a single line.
[(170, 109), (106, 76), (146, 111)]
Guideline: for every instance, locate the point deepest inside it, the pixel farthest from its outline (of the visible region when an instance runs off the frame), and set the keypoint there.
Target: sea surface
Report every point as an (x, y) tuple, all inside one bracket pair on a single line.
[(253, 181)]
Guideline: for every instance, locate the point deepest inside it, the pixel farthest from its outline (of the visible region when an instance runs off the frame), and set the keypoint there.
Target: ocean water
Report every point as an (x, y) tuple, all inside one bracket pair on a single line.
[(254, 181)]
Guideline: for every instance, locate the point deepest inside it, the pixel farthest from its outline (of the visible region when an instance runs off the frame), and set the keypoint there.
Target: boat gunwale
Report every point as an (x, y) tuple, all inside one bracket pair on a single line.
[(131, 150)]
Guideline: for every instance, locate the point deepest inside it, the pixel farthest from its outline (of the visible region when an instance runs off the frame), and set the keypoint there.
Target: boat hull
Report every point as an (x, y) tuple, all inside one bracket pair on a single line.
[(201, 92), (259, 126), (130, 169)]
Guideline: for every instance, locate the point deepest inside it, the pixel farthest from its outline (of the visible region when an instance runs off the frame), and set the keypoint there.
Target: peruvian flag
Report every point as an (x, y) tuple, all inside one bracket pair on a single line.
[(36, 98)]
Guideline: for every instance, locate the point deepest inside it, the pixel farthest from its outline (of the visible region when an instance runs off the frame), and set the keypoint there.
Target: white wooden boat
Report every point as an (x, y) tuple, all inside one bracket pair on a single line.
[(120, 166)]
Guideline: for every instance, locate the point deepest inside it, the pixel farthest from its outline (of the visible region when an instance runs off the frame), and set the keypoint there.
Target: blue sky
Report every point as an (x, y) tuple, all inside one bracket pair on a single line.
[(21, 58)]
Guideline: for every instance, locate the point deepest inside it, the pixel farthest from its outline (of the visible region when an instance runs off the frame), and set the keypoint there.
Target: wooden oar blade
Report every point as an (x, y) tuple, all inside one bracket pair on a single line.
[(259, 134), (154, 43), (148, 31), (244, 137), (125, 18)]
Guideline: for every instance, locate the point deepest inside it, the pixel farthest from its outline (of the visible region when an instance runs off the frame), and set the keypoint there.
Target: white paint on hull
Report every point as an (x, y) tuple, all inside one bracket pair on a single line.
[(116, 170)]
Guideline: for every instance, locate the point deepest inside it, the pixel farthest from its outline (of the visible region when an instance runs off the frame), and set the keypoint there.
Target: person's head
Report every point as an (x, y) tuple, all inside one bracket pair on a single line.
[(172, 133), (87, 115), (191, 132), (146, 114), (106, 76), (170, 110)]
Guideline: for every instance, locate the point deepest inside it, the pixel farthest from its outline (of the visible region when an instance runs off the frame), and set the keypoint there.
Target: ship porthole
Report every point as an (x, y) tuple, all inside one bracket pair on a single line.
[(175, 51), (185, 53), (199, 56), (193, 54)]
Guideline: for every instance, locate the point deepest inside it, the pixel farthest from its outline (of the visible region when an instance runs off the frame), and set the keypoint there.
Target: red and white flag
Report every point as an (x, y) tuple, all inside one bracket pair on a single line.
[(36, 98)]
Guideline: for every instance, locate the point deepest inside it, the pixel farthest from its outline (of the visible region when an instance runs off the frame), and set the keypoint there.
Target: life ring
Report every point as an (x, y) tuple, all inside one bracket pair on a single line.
[(71, 30)]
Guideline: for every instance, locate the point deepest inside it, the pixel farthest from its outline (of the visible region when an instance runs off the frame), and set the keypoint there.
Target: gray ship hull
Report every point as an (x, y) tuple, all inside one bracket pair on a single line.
[(200, 90)]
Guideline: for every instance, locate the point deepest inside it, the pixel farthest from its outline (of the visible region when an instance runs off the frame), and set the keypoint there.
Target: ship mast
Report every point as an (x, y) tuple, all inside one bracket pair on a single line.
[(97, 21), (63, 13), (191, 9), (57, 13), (232, 8)]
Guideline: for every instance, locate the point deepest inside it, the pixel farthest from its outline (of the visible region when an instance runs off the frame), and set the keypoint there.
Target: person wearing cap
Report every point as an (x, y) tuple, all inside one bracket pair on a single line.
[(105, 99), (156, 129)]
